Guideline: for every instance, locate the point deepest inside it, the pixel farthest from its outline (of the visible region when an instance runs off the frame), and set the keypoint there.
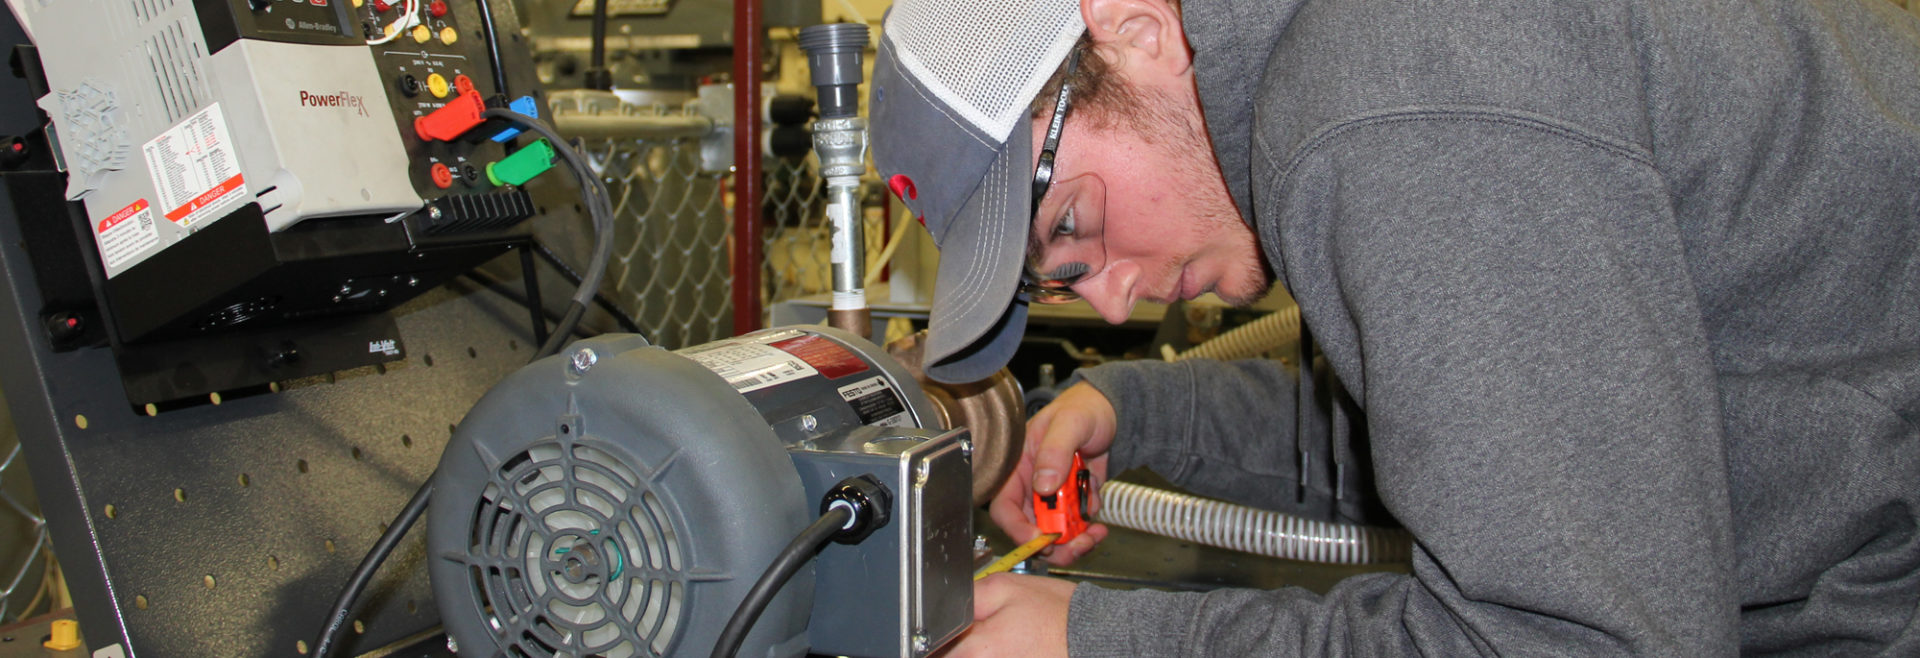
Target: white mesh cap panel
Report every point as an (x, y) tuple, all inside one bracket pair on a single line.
[(984, 59)]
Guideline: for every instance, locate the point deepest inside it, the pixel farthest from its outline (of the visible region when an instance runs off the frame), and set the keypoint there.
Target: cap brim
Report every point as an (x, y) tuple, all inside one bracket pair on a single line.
[(976, 322)]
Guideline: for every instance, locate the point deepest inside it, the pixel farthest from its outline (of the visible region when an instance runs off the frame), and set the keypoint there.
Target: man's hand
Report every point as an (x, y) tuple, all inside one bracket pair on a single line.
[(1017, 615), (1080, 420)]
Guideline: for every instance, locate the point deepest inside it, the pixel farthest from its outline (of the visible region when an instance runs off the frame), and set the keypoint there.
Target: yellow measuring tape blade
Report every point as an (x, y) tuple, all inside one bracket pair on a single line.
[(1017, 556)]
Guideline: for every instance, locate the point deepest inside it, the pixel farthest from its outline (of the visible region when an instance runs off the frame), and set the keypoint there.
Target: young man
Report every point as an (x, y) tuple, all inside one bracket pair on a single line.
[(1629, 292)]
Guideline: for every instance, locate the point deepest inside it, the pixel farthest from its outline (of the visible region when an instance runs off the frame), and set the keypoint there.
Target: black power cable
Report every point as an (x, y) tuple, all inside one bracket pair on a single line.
[(336, 625), (599, 206), (561, 331), (626, 322), (488, 34), (598, 76), (784, 565)]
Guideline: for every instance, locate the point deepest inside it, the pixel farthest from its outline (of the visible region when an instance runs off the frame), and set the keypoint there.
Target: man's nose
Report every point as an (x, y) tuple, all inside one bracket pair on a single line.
[(1111, 291)]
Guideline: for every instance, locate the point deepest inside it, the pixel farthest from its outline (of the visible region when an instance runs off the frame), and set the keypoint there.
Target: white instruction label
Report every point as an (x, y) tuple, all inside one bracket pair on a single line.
[(126, 233), (194, 170), (749, 366), (876, 403)]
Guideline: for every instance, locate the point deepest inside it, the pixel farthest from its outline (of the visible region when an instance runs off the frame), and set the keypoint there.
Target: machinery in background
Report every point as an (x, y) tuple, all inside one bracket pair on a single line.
[(653, 46), (617, 500), (262, 178)]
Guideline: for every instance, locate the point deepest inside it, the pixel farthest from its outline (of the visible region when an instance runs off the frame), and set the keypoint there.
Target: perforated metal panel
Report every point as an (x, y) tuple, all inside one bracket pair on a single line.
[(228, 528)]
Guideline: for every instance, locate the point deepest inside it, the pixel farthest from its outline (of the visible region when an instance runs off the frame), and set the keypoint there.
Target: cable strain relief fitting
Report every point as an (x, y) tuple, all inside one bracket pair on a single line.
[(868, 499)]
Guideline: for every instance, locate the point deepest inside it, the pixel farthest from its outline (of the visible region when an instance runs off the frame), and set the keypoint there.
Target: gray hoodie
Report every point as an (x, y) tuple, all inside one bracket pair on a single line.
[(1629, 293)]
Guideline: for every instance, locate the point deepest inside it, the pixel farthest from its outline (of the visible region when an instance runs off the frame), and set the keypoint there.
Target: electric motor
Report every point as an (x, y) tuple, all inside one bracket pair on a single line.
[(619, 500)]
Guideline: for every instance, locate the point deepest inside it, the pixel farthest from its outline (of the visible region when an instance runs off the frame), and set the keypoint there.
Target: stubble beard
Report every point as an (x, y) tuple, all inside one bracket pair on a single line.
[(1189, 150)]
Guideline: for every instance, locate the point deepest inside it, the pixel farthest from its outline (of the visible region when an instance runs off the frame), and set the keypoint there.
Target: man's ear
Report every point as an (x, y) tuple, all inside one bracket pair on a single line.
[(1138, 33)]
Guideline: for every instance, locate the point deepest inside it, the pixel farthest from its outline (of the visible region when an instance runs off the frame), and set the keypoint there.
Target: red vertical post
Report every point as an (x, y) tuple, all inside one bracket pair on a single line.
[(748, 44)]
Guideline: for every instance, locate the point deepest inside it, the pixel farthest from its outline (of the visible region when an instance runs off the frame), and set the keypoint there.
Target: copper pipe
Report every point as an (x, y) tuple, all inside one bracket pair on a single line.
[(858, 321)]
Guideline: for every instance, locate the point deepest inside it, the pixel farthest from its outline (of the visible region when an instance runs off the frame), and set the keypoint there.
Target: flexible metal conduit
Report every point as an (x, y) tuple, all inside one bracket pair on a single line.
[(1242, 528)]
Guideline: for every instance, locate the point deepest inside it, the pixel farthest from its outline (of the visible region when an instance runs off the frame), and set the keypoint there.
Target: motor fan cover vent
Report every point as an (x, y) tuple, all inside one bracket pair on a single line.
[(621, 509), (571, 554)]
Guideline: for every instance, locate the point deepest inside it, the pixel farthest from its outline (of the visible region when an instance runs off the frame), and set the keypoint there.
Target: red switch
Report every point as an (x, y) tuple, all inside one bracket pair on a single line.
[(442, 176), (381, 6), (437, 8), (459, 115)]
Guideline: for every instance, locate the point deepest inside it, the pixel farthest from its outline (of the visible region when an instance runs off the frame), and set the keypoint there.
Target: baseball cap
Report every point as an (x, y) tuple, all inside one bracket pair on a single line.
[(952, 136)]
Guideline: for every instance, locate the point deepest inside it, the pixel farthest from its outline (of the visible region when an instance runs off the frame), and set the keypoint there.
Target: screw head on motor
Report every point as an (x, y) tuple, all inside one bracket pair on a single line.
[(583, 360)]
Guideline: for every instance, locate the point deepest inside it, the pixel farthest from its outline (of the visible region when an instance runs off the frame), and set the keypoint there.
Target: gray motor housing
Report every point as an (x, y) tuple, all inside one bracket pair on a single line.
[(619, 500), (666, 440)]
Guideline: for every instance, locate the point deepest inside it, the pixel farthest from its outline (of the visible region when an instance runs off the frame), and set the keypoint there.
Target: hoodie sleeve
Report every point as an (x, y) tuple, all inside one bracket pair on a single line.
[(1509, 300), (1193, 422)]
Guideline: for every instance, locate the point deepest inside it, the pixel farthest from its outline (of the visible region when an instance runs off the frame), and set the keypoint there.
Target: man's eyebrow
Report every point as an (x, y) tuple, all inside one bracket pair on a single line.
[(1069, 271)]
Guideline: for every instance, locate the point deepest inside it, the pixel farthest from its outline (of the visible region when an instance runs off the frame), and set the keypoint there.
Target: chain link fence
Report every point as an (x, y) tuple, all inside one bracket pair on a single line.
[(670, 261), (665, 170), (26, 572), (672, 267), (796, 236)]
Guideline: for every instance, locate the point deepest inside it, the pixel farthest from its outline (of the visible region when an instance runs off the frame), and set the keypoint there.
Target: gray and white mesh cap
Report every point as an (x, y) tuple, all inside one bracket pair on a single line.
[(952, 137)]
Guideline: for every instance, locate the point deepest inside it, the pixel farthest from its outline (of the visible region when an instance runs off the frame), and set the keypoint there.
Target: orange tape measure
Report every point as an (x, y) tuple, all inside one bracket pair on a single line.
[(1065, 512)]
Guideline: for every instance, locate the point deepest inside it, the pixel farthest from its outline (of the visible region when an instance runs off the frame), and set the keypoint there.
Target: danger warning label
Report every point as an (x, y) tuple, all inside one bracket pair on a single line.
[(126, 233)]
